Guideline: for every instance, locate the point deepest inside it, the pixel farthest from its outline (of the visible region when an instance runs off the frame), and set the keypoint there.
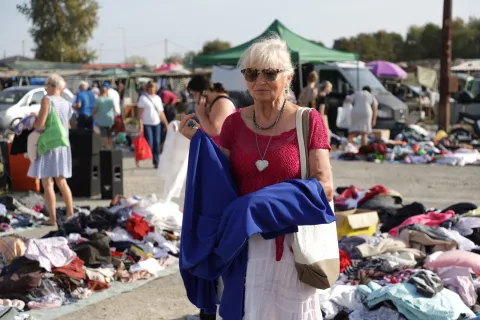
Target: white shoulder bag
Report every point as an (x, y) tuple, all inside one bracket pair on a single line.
[(315, 248)]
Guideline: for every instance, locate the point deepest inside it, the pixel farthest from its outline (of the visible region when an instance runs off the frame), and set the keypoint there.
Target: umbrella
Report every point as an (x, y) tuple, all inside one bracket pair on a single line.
[(385, 69)]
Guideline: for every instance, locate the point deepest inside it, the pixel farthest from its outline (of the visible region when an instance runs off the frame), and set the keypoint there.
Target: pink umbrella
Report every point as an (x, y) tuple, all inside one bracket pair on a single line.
[(385, 69), (167, 67)]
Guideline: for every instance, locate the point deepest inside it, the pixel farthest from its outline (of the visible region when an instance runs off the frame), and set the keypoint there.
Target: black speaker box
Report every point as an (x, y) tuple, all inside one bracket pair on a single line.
[(85, 180), (5, 179), (84, 143), (111, 173)]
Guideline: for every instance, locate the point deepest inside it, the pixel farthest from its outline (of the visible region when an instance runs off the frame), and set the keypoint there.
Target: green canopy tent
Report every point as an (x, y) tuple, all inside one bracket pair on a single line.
[(302, 50)]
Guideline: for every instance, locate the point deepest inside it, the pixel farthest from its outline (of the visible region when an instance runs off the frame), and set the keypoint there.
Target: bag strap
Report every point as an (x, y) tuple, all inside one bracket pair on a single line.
[(221, 97), (302, 123), (151, 100)]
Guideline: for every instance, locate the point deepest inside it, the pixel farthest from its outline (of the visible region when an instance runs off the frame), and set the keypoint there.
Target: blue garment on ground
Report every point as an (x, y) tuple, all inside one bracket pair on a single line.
[(445, 305), (217, 224), (87, 102)]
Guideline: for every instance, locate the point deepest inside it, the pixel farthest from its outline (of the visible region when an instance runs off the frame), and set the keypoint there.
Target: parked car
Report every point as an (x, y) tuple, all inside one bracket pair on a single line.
[(18, 102)]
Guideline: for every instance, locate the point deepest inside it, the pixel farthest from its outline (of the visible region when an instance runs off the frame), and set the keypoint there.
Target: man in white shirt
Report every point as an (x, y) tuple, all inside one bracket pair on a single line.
[(115, 96)]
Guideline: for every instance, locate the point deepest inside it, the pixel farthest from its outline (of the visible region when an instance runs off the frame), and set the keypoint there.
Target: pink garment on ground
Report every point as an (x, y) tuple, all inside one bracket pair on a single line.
[(282, 155), (431, 219)]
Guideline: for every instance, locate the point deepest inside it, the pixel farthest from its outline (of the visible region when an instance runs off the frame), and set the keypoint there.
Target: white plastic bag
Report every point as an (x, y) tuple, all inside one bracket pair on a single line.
[(344, 116)]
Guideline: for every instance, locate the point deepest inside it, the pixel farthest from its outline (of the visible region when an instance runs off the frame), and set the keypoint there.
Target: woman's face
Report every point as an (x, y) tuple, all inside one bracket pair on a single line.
[(49, 88), (151, 90), (328, 89), (266, 84), (196, 95)]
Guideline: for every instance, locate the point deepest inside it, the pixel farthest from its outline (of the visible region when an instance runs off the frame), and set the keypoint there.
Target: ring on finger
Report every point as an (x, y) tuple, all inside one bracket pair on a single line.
[(191, 124)]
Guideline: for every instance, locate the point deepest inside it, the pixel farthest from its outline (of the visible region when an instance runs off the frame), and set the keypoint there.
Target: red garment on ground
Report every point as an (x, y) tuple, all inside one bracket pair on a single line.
[(74, 269), (344, 260), (352, 192), (138, 227), (96, 286), (282, 155), (431, 219)]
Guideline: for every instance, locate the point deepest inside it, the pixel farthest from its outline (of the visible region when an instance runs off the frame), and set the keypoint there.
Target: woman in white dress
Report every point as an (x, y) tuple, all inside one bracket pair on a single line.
[(266, 130)]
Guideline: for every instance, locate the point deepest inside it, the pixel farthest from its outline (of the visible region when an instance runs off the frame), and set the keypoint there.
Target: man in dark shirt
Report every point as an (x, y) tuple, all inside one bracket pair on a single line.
[(84, 104)]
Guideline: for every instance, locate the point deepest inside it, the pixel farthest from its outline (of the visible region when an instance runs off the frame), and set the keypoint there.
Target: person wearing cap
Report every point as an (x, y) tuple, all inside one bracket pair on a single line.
[(115, 96), (84, 103)]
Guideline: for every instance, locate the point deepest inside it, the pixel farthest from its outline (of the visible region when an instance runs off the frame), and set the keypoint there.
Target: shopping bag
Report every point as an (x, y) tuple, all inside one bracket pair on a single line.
[(315, 248), (344, 116), (118, 125), (54, 136), (142, 149)]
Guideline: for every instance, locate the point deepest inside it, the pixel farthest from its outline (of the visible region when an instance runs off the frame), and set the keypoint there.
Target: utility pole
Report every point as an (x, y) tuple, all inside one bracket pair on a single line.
[(23, 48), (100, 53), (445, 65), (124, 32), (166, 49)]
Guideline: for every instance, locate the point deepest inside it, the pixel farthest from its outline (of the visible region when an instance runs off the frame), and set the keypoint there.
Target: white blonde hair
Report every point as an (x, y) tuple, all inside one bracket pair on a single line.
[(56, 81), (271, 52)]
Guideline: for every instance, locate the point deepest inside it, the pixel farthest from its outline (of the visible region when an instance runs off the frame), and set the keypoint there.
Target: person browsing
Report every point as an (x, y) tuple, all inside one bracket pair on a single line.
[(151, 114), (84, 103), (104, 113)]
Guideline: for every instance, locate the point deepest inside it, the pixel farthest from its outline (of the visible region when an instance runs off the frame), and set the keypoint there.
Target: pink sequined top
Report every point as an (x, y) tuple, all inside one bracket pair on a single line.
[(282, 155)]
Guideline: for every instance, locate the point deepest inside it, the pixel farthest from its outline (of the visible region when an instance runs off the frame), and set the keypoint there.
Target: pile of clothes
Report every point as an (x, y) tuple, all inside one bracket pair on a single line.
[(131, 240), (22, 212), (414, 145), (420, 264)]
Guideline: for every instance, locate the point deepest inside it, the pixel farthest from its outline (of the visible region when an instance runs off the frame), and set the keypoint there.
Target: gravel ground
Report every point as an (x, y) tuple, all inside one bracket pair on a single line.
[(435, 186)]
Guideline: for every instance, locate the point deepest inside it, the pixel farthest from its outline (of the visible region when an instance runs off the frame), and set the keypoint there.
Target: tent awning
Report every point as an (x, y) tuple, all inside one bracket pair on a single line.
[(300, 48)]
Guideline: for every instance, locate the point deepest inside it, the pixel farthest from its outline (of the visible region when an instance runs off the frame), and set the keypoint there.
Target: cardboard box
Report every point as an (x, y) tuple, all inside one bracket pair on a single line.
[(381, 134), (356, 221)]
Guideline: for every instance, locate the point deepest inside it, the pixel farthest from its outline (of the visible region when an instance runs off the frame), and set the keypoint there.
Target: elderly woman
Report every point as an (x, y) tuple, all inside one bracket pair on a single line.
[(213, 105), (363, 115), (266, 131), (54, 165)]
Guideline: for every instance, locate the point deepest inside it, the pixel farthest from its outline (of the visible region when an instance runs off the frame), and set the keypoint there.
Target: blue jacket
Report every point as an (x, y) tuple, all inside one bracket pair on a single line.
[(217, 224)]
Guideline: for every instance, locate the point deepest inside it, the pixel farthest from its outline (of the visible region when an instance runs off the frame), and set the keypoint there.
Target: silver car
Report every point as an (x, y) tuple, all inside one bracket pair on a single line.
[(18, 102)]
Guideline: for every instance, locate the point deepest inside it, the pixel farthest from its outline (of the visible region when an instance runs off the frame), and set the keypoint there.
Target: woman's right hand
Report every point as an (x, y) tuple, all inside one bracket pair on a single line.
[(185, 129)]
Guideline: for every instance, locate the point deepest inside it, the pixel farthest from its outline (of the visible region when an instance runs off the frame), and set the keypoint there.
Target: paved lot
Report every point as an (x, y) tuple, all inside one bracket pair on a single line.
[(435, 186)]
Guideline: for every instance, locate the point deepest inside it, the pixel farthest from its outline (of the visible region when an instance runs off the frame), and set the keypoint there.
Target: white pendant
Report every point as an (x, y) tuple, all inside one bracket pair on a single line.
[(261, 165)]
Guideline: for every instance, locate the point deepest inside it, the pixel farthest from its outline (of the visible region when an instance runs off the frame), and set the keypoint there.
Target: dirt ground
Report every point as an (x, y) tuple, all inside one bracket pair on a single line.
[(433, 185)]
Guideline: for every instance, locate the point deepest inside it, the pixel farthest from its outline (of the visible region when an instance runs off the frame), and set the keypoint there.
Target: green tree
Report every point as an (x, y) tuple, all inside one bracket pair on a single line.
[(137, 60), (61, 28), (320, 43), (188, 58), (215, 46), (175, 58), (381, 45)]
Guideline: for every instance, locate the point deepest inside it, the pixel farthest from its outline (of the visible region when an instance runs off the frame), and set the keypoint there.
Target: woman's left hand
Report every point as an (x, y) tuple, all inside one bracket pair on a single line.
[(201, 107)]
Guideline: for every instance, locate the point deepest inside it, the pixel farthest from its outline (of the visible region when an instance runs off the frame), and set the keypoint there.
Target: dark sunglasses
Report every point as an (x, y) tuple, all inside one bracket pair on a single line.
[(251, 74)]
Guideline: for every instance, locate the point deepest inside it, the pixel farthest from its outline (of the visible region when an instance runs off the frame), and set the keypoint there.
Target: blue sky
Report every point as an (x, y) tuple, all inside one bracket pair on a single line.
[(187, 24)]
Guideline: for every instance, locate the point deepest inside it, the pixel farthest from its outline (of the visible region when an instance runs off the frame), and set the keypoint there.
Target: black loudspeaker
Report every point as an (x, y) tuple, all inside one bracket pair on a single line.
[(111, 173), (84, 143), (5, 179), (85, 180)]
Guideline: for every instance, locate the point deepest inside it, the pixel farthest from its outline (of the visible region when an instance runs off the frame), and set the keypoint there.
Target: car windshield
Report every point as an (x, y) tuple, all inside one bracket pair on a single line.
[(11, 96), (365, 77)]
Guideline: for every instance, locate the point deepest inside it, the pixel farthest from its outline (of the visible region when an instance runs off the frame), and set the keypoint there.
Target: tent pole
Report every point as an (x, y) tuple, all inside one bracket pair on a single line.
[(300, 73), (358, 75)]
